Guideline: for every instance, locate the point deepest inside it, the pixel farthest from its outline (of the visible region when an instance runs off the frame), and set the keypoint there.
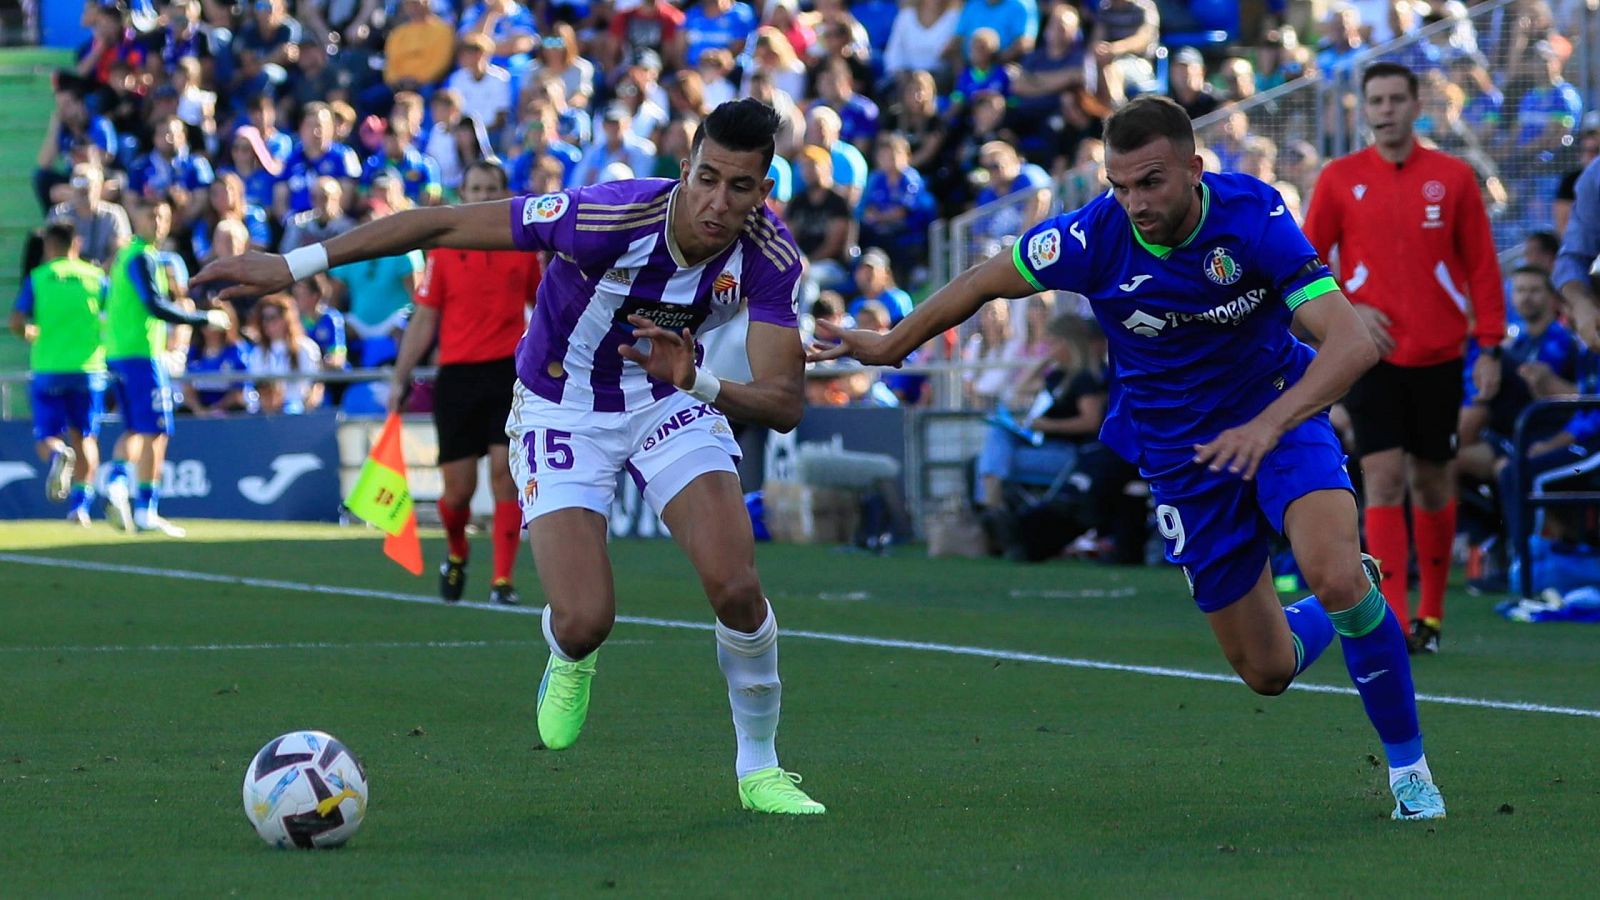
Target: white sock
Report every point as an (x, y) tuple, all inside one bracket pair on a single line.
[(550, 636), (1420, 767), (750, 663)]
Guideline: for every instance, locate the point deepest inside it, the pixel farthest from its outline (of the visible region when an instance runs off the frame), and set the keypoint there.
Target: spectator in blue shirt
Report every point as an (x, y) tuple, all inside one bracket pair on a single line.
[(877, 17), (73, 136), (271, 33), (418, 173), (513, 29), (215, 351), (875, 280), (171, 171), (1015, 23), (1008, 175), (849, 166), (541, 139), (322, 323), (255, 167), (1549, 113), (715, 23), (897, 206), (318, 154), (617, 143), (263, 114), (858, 116), (226, 201), (983, 72)]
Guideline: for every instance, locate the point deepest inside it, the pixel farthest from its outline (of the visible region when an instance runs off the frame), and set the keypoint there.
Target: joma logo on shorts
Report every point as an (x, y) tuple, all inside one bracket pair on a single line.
[(681, 420)]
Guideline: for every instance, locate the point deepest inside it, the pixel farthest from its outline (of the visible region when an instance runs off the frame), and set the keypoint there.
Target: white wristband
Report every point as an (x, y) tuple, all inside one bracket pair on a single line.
[(706, 386), (306, 261)]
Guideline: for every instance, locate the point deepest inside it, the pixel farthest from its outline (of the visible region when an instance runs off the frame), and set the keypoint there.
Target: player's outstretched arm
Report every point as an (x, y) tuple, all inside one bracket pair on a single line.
[(951, 305), (1347, 350), (472, 226)]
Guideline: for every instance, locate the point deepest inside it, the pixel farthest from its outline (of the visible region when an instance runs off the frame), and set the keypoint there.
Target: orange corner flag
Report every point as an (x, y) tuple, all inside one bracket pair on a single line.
[(382, 498)]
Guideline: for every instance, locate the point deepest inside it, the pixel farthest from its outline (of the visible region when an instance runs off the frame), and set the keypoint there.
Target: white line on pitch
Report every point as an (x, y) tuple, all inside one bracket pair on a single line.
[(289, 645), (858, 640)]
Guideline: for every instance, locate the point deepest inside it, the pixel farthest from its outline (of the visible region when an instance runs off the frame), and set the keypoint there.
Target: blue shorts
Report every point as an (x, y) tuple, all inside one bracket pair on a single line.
[(144, 395), (67, 400), (1221, 528)]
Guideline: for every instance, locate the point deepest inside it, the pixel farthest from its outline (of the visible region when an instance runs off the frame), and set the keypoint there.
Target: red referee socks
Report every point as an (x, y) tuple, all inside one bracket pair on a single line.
[(1436, 531), (454, 519), (1388, 541), (507, 537)]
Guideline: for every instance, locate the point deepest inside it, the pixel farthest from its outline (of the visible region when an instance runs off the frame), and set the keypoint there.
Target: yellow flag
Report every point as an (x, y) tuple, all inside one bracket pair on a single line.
[(382, 498)]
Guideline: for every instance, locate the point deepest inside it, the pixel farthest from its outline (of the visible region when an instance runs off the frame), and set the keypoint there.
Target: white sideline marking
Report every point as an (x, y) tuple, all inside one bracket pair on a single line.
[(1081, 594), (292, 645), (858, 640)]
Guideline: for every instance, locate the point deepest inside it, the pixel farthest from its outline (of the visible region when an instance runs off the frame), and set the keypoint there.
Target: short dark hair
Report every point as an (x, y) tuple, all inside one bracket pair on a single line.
[(1547, 241), (1388, 70), (493, 167), (1146, 118), (746, 125), (1539, 272), (59, 233)]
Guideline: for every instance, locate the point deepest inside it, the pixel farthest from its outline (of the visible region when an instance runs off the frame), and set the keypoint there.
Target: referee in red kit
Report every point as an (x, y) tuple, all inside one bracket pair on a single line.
[(1417, 259), (476, 302)]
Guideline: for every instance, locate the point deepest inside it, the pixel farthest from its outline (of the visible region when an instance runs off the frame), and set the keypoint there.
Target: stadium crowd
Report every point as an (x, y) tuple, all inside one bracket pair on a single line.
[(270, 124)]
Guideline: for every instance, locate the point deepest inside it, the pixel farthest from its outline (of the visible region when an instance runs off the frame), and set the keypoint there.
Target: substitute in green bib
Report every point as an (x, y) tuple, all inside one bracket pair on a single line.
[(58, 313), (139, 306)]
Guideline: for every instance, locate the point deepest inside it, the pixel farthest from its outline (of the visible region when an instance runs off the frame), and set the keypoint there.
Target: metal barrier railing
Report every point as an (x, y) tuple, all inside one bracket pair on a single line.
[(1522, 527)]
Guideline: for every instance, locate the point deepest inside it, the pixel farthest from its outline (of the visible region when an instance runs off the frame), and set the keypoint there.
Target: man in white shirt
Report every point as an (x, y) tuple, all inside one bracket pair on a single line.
[(485, 89)]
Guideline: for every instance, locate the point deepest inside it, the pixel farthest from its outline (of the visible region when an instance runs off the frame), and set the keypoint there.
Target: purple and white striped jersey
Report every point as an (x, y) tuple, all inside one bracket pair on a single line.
[(614, 258)]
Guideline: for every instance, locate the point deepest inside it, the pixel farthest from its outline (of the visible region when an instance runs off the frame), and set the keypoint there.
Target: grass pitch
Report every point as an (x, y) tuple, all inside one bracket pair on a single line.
[(133, 700)]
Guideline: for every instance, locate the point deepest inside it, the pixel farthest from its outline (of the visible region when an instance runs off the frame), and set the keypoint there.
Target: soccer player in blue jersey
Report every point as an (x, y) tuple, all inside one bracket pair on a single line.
[(607, 380), (1197, 279)]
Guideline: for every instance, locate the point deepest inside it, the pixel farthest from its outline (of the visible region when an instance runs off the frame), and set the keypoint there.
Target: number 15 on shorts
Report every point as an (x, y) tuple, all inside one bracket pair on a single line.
[(551, 445)]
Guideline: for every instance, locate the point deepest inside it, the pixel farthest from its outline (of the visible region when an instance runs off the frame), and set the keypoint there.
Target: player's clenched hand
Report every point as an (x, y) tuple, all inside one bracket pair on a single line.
[(1378, 324), (671, 356), (869, 347), (250, 275), (1239, 450)]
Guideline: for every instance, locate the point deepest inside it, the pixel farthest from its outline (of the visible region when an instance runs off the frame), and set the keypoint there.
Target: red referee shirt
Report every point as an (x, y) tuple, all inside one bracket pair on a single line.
[(482, 297), (1414, 242)]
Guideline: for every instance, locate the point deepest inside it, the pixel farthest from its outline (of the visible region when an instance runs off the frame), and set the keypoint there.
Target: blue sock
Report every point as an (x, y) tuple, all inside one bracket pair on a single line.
[(81, 496), (1312, 631), (118, 473), (1375, 653), (149, 497)]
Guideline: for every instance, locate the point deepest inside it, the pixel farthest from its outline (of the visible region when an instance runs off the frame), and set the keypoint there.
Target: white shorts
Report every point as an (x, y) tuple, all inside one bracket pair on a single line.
[(563, 457)]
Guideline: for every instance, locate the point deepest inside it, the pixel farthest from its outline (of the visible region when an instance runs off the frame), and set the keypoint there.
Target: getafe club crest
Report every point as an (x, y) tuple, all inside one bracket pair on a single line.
[(1221, 268)]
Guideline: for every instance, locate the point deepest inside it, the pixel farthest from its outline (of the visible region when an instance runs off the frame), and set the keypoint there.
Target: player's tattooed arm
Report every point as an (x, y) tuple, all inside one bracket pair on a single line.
[(951, 305), (1347, 350)]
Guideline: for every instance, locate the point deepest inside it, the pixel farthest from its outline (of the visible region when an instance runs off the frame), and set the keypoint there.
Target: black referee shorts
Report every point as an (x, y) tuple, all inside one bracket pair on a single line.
[(470, 404), (1414, 408)]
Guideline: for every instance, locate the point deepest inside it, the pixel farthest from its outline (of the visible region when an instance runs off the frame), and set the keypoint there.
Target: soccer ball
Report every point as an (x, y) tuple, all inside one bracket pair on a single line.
[(305, 789)]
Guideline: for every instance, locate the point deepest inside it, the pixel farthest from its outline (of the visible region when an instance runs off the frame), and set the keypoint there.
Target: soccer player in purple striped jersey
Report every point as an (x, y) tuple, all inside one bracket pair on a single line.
[(608, 379)]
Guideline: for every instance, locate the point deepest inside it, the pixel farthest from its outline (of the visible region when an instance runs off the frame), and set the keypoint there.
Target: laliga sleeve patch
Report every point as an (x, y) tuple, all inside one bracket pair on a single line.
[(545, 208), (1044, 248)]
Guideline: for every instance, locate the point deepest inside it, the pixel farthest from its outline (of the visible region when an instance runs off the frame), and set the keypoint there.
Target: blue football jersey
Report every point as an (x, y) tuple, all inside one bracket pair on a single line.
[(1199, 333)]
